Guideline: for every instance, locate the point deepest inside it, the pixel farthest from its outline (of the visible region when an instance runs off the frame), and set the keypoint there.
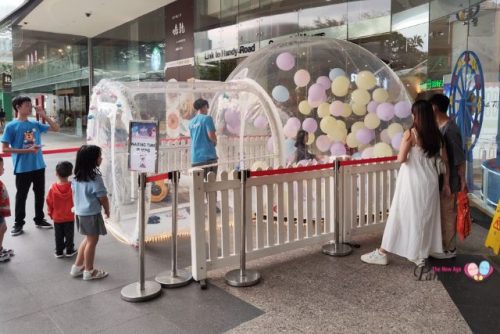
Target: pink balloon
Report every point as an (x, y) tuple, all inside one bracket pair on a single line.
[(285, 61), (315, 104), (270, 145), (294, 123), (364, 136), (310, 125), (290, 131), (396, 140), (367, 153), (234, 129), (324, 81), (385, 111), (372, 106), (384, 136), (338, 149), (301, 78), (402, 109), (323, 143), (260, 122), (316, 92), (337, 108)]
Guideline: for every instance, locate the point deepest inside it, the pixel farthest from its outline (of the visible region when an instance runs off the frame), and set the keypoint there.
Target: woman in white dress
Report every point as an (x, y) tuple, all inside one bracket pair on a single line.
[(413, 228)]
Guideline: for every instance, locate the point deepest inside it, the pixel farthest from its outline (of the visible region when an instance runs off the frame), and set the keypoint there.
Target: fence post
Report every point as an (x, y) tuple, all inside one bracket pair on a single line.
[(198, 242)]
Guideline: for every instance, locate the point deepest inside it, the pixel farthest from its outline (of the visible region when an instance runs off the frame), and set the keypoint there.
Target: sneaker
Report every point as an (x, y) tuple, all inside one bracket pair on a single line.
[(43, 224), (419, 262), (94, 274), (58, 255), (4, 257), (375, 257), (76, 271), (16, 230), (444, 255), (71, 252), (10, 252)]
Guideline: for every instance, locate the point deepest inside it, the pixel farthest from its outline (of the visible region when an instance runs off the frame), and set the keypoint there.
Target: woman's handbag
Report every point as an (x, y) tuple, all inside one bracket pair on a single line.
[(463, 215)]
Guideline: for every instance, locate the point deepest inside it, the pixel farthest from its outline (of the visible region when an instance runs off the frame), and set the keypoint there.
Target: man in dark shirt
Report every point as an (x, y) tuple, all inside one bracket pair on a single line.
[(456, 161)]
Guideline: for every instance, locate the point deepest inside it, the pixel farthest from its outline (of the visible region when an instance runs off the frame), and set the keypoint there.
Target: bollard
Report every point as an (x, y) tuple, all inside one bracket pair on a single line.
[(337, 248), (142, 290), (242, 277), (176, 277)]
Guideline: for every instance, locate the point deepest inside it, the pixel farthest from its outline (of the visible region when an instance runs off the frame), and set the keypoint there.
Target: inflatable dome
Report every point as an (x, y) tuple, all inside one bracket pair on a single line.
[(346, 99)]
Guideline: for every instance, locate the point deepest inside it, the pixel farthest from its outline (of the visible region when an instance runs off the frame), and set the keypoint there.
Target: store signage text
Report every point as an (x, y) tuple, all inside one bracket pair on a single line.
[(229, 53), (431, 84)]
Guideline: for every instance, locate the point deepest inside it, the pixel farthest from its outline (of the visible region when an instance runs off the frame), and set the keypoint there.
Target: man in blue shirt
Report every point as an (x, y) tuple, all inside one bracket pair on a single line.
[(203, 138), (22, 139)]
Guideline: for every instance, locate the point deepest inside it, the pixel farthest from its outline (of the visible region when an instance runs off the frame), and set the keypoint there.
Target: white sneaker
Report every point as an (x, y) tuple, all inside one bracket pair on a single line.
[(375, 257), (76, 271), (445, 255)]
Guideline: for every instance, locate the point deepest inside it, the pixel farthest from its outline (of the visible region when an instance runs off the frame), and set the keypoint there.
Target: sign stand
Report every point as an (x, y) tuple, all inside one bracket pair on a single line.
[(142, 290), (337, 248), (176, 277), (242, 277)]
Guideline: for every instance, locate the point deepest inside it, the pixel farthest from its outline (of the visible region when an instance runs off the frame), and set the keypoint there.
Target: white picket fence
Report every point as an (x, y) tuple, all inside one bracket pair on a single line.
[(284, 211)]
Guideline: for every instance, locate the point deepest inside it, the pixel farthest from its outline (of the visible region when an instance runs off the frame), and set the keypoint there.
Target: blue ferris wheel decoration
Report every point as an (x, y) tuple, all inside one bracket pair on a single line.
[(467, 103)]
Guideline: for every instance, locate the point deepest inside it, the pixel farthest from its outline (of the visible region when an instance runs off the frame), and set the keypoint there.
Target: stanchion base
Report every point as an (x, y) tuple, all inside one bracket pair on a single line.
[(234, 278), (166, 279), (337, 249), (133, 293)]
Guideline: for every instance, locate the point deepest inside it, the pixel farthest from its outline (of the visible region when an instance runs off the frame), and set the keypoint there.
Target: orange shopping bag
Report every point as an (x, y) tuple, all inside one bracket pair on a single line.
[(463, 215)]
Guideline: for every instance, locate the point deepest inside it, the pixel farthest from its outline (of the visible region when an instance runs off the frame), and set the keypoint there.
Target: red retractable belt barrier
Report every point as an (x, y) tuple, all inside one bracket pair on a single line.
[(157, 177), (54, 151), (367, 161)]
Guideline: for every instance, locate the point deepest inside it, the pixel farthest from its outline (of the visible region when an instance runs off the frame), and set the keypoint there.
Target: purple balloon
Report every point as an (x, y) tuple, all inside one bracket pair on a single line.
[(231, 116), (310, 125), (294, 123), (337, 108), (385, 111), (260, 122), (396, 140), (364, 136), (402, 109), (323, 143), (285, 61), (316, 92), (338, 149), (316, 103), (372, 106), (324, 81)]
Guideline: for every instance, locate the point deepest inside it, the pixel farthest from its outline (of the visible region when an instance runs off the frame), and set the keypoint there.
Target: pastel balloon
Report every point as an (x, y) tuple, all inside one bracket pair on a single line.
[(357, 126), (336, 72), (396, 141), (358, 109), (270, 145), (340, 86), (337, 108), (280, 93), (324, 109), (364, 136), (324, 81), (484, 268), (340, 124), (315, 104), (356, 156), (310, 138), (385, 111), (372, 121), (316, 92), (338, 134), (366, 80), (367, 153), (382, 150), (259, 165), (294, 123), (372, 106), (323, 143), (393, 129), (290, 147), (304, 107), (310, 125), (327, 124), (338, 149), (301, 78), (285, 61), (402, 109), (351, 140), (360, 96), (380, 95), (347, 110), (384, 136), (289, 131), (260, 122)]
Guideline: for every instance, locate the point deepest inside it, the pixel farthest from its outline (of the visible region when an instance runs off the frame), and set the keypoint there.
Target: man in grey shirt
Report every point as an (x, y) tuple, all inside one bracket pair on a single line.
[(456, 160)]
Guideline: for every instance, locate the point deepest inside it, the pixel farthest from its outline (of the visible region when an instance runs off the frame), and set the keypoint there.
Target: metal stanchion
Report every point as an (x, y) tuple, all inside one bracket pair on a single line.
[(242, 277), (142, 290), (175, 277), (337, 248)]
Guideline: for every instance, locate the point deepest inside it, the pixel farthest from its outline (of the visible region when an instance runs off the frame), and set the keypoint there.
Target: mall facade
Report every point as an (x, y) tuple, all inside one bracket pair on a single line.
[(61, 48)]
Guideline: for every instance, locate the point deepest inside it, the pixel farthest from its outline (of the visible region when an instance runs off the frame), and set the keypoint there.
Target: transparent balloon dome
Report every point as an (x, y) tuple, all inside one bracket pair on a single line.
[(346, 99)]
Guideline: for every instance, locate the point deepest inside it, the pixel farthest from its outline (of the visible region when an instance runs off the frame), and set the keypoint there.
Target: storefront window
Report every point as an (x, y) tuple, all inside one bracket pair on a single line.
[(367, 18)]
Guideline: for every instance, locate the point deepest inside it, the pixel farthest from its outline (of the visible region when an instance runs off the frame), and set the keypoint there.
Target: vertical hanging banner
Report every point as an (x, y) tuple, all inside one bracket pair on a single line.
[(179, 46), (143, 146)]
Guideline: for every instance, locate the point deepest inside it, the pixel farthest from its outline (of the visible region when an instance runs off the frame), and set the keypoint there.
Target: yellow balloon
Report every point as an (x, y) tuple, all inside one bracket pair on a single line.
[(340, 86), (360, 96), (393, 129), (380, 95), (310, 138), (338, 134), (351, 140), (372, 121), (366, 80), (359, 109), (340, 124), (347, 110), (356, 126), (382, 150), (304, 107), (324, 109), (327, 124)]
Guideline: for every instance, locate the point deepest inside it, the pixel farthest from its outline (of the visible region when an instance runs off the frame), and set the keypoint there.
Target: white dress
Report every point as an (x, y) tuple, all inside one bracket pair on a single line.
[(413, 228)]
